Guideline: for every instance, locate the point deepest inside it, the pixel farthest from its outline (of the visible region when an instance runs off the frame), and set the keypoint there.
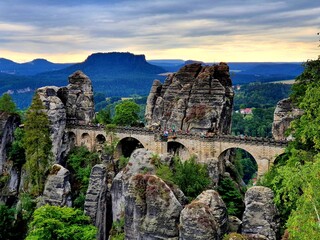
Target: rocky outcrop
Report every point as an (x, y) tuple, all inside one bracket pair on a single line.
[(260, 218), (234, 224), (56, 112), (151, 211), (79, 100), (8, 123), (197, 99), (57, 190), (284, 114), (9, 175), (98, 199), (73, 104), (204, 218)]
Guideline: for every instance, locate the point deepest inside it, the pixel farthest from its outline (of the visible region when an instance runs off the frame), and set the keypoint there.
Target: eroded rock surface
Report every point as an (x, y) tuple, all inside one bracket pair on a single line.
[(284, 114), (10, 175), (98, 199), (73, 104), (152, 210), (260, 218), (204, 218), (56, 112), (57, 190), (197, 99)]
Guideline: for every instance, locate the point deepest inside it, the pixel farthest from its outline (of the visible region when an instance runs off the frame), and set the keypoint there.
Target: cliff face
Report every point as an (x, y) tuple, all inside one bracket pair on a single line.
[(197, 99), (9, 175), (284, 114)]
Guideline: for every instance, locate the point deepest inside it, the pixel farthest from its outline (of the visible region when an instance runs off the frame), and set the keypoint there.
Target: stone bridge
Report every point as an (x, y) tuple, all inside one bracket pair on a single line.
[(263, 150)]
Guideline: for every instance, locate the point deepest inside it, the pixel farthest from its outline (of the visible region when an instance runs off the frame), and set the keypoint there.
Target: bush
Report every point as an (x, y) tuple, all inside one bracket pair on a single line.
[(191, 177), (52, 222), (80, 162), (232, 197)]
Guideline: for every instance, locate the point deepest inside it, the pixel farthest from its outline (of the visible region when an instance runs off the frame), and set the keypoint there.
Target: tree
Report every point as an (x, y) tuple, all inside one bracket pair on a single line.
[(126, 113), (104, 115), (7, 219), (80, 162), (7, 104), (37, 144), (52, 222), (16, 150)]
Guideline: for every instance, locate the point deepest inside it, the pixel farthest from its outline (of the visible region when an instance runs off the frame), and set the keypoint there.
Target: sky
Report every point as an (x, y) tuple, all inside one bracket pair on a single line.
[(206, 30)]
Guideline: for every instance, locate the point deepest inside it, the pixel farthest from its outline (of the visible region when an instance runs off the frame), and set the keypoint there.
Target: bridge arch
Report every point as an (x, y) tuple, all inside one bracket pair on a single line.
[(100, 139), (127, 145), (242, 160), (72, 137), (85, 140), (264, 161), (179, 149)]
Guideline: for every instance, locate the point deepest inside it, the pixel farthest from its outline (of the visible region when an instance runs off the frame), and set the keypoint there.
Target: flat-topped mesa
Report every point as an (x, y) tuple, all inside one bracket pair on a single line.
[(197, 99)]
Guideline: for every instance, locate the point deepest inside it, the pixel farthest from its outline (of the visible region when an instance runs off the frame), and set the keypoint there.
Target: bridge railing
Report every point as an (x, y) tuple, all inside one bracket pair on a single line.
[(159, 135)]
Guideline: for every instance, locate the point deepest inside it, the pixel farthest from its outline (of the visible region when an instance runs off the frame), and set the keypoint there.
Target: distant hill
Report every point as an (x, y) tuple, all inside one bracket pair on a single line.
[(115, 74), (121, 74), (29, 68)]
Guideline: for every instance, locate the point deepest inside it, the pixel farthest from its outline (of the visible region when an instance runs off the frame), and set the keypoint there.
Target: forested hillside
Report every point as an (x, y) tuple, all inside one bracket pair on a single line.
[(295, 177)]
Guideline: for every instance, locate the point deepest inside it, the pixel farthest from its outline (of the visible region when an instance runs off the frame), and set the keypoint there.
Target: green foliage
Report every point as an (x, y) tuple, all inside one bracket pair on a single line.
[(117, 230), (231, 195), (296, 181), (37, 146), (7, 104), (260, 95), (16, 151), (52, 222), (191, 177), (126, 113), (80, 162), (110, 146), (123, 161), (259, 124), (104, 116), (7, 220), (246, 165), (164, 172)]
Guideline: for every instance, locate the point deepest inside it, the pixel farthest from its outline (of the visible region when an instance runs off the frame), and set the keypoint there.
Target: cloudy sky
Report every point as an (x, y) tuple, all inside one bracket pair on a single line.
[(208, 30)]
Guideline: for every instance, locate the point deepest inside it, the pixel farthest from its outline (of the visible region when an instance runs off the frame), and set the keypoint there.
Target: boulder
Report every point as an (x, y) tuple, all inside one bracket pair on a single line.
[(284, 114), (196, 99), (57, 190), (204, 218), (151, 211), (260, 218), (234, 224)]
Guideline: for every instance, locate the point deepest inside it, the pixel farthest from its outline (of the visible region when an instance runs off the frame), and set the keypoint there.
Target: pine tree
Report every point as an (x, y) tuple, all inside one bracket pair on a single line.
[(38, 146), (7, 104)]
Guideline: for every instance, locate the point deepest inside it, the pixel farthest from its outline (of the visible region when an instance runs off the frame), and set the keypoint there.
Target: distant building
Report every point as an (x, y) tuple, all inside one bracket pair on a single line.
[(246, 111)]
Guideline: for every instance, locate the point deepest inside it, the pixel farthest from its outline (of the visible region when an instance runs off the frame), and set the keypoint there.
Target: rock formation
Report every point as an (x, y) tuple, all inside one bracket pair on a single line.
[(73, 103), (260, 218), (9, 175), (57, 190), (204, 218), (284, 114), (56, 112), (197, 99), (98, 199), (151, 209)]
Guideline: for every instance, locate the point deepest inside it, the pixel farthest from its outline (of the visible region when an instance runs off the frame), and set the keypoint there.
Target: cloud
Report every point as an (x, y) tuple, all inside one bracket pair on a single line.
[(55, 27)]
